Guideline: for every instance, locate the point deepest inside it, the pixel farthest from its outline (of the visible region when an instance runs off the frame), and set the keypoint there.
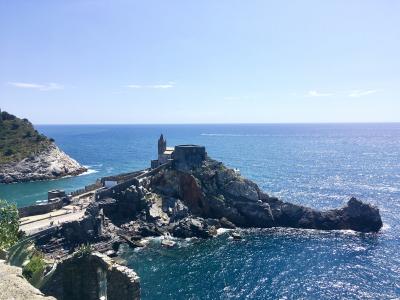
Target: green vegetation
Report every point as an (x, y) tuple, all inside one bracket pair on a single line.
[(9, 224), (19, 139), (83, 250), (33, 271)]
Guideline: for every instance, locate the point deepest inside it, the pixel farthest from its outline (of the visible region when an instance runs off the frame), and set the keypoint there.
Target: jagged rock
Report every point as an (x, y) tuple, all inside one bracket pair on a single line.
[(244, 189), (256, 214), (356, 215), (179, 211), (155, 211), (195, 203), (214, 191), (88, 229), (50, 163), (236, 235), (149, 229), (191, 227), (362, 216), (225, 223)]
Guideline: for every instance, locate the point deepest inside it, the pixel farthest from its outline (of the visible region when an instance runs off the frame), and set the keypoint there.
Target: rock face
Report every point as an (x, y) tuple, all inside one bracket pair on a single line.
[(196, 202), (90, 277), (14, 286), (214, 191), (68, 236), (51, 163)]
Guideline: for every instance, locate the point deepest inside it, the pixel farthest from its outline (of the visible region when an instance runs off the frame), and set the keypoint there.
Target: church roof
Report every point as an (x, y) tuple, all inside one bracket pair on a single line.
[(169, 150)]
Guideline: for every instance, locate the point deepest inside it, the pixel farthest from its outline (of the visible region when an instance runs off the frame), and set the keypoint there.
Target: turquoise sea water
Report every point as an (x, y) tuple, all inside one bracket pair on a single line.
[(321, 166)]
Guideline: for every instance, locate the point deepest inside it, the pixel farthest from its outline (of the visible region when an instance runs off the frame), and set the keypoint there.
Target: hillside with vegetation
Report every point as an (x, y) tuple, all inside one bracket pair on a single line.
[(19, 139), (27, 155)]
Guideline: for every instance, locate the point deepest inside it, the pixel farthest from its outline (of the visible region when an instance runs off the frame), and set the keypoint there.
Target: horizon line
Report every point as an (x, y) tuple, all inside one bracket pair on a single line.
[(256, 123)]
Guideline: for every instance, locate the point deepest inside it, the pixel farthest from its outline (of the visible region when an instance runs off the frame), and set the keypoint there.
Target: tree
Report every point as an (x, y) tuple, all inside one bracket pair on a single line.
[(9, 224)]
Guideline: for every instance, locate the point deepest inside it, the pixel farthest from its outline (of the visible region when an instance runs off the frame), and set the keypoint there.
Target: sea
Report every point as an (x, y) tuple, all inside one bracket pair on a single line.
[(318, 165)]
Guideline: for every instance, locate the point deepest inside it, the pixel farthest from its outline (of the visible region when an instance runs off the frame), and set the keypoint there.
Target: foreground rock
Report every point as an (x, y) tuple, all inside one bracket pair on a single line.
[(14, 286)]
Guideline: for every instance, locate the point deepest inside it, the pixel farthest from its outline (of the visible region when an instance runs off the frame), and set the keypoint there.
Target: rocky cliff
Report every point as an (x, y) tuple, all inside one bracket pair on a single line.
[(197, 202), (27, 155), (194, 203), (214, 191)]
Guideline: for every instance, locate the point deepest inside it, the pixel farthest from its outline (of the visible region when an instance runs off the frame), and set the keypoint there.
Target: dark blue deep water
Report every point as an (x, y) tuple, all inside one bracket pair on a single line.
[(321, 166)]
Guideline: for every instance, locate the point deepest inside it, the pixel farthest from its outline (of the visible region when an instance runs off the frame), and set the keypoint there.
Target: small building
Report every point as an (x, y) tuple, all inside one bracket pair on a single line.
[(52, 194)]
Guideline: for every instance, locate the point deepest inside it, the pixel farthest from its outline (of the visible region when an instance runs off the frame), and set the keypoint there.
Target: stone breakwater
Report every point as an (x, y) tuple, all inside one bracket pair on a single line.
[(52, 163)]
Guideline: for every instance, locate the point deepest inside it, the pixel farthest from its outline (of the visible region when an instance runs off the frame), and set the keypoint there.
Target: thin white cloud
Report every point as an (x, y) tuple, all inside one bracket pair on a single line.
[(34, 86), (168, 85), (361, 93), (314, 93)]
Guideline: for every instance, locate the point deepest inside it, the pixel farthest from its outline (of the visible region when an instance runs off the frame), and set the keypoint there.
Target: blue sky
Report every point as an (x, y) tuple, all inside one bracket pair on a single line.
[(216, 61)]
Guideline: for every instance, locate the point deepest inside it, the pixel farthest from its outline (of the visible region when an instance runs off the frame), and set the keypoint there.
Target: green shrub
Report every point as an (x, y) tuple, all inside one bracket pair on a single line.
[(27, 134), (83, 250), (9, 224), (6, 116), (34, 269), (20, 137)]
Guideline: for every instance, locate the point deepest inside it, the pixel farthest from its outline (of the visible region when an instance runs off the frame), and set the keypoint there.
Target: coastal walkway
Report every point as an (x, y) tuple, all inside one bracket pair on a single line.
[(49, 220), (73, 212)]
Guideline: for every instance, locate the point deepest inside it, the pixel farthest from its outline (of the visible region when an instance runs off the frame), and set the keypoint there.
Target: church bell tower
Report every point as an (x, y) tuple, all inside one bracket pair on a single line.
[(162, 145)]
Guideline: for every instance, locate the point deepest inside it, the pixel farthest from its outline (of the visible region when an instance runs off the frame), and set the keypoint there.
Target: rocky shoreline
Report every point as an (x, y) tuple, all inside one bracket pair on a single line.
[(186, 198), (194, 203), (51, 163)]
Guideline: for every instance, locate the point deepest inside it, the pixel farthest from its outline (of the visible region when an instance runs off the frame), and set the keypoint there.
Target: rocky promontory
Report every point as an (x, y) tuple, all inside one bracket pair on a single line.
[(50, 163), (217, 196), (196, 202), (26, 155), (188, 196)]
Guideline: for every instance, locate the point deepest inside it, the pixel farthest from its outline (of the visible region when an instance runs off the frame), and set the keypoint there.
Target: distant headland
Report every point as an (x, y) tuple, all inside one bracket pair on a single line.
[(27, 155)]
